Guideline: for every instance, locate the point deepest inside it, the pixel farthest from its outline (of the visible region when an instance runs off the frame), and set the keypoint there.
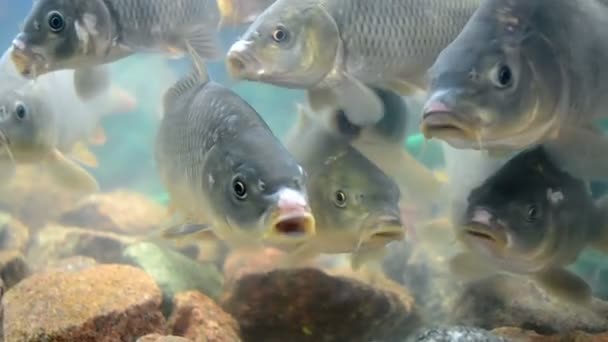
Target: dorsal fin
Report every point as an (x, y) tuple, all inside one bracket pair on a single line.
[(196, 77)]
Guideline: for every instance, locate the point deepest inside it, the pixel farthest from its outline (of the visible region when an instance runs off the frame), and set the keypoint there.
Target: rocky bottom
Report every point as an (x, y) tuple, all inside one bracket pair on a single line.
[(89, 272)]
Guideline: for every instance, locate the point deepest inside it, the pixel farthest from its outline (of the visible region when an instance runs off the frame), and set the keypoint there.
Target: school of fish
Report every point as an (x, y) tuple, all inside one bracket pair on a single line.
[(512, 90)]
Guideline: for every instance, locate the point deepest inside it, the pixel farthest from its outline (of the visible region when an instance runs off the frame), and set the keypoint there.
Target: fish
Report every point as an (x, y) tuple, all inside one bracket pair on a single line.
[(227, 175), (79, 34), (88, 82), (337, 49), (44, 122), (523, 73), (240, 12), (533, 219), (382, 143), (356, 205)]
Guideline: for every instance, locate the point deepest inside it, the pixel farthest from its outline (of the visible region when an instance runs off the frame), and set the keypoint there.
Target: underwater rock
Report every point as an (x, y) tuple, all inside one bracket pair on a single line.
[(509, 301), (121, 212), (71, 264), (242, 262), (34, 198), (456, 334), (160, 338), (13, 268), (14, 235), (199, 318), (104, 303), (517, 334), (174, 272), (310, 305), (56, 242)]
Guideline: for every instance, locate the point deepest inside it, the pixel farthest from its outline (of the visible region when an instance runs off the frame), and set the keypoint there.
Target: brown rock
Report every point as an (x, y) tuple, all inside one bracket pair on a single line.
[(517, 334), (105, 303), (243, 262), (13, 268), (58, 242), (34, 197), (119, 211), (160, 338), (14, 235), (310, 305), (199, 318), (508, 301)]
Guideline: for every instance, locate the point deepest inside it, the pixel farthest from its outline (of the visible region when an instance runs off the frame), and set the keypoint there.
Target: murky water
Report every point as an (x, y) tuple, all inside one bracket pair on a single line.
[(94, 266)]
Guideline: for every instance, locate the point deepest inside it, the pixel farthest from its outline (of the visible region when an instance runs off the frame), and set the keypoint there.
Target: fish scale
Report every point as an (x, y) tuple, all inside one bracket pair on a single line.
[(394, 35), (146, 22)]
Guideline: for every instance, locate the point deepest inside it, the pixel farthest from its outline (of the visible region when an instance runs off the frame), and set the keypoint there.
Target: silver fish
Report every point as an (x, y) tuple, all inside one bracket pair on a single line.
[(531, 218), (226, 172), (356, 205), (522, 73), (338, 48), (73, 34)]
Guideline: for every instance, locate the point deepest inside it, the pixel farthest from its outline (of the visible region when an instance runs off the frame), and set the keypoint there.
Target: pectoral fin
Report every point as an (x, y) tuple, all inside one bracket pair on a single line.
[(360, 103), (564, 285), (69, 174), (581, 151), (321, 98), (470, 267), (82, 153)]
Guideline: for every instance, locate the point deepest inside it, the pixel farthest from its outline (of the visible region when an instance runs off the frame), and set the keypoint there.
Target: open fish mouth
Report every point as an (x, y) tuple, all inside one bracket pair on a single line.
[(241, 64), (27, 63), (295, 225), (439, 121)]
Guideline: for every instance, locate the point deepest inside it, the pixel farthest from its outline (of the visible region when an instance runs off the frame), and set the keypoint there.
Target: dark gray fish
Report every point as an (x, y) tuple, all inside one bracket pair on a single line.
[(356, 205), (337, 49), (531, 218), (525, 72), (73, 34), (224, 169)]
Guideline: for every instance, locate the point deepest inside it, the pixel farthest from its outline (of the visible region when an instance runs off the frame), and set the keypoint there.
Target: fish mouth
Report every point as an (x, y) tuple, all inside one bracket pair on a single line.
[(27, 63), (294, 225), (439, 121), (241, 64), (384, 229), (291, 220), (482, 227)]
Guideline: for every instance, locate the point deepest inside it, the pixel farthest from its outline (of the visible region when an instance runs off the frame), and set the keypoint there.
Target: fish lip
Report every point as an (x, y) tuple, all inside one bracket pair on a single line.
[(294, 225), (25, 60), (493, 234), (382, 230), (242, 64), (441, 121)]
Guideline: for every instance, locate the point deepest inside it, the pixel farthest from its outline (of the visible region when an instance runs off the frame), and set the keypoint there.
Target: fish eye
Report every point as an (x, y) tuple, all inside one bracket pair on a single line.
[(239, 189), (56, 21), (502, 76), (340, 199), (280, 34), (532, 213), (20, 111)]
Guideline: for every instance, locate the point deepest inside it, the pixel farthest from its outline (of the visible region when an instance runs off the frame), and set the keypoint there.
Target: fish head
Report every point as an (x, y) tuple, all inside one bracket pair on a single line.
[(260, 190), (24, 122), (523, 214), (60, 34), (291, 44), (494, 85), (350, 195)]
